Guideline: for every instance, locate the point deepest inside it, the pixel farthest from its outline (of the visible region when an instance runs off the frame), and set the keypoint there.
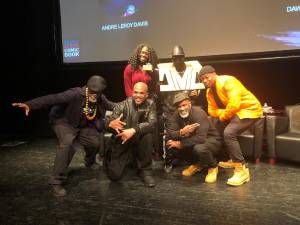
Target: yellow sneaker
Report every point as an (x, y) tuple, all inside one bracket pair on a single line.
[(211, 176), (240, 176), (227, 165), (191, 170)]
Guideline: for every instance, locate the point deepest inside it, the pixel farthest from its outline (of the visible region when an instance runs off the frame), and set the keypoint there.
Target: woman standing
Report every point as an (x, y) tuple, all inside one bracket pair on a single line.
[(141, 68)]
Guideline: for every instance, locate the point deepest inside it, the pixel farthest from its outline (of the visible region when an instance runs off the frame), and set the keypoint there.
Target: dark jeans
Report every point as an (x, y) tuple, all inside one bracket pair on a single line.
[(200, 153), (69, 140), (118, 154), (230, 130)]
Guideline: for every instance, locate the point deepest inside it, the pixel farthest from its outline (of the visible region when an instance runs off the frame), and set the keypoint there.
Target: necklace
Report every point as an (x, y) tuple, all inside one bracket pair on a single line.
[(90, 112)]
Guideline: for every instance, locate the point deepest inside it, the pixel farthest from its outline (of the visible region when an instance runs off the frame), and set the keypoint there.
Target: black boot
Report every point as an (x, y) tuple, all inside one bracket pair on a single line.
[(147, 178), (148, 181), (168, 168)]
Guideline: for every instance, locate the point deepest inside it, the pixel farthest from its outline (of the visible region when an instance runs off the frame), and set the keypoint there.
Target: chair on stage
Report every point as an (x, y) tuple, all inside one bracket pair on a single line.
[(283, 135)]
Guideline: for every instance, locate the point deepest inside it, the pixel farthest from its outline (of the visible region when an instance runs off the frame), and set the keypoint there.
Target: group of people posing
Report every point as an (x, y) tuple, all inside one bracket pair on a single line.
[(156, 94)]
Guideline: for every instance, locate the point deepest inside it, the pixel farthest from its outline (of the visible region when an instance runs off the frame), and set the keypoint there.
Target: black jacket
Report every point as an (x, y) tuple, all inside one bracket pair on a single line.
[(69, 105), (142, 117), (204, 131)]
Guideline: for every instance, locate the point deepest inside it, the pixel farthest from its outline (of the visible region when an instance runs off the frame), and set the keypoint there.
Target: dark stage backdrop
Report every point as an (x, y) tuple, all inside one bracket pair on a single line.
[(34, 69)]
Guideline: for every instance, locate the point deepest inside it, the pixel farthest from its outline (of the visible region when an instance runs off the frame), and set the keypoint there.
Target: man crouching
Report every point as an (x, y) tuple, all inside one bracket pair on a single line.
[(192, 136)]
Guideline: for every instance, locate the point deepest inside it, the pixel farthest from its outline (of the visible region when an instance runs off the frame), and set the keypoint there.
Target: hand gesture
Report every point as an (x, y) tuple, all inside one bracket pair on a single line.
[(173, 144), (126, 134), (22, 105), (194, 93), (189, 129), (117, 124)]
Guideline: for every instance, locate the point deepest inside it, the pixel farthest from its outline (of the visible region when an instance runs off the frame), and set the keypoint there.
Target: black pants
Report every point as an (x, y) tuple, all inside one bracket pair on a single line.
[(205, 153), (117, 155), (230, 131), (69, 140)]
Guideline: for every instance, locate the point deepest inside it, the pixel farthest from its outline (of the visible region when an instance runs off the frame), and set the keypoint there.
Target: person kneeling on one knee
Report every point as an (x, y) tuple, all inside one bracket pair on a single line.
[(132, 125)]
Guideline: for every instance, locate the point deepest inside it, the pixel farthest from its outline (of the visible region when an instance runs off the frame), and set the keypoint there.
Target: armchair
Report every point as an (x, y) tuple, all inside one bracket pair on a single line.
[(283, 135)]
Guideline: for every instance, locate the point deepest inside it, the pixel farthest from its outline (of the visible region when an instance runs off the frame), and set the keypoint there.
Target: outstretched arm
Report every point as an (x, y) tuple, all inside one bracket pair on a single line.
[(23, 106)]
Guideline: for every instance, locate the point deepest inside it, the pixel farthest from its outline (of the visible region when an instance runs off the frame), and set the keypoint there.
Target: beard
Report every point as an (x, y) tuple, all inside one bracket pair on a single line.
[(184, 114), (93, 99)]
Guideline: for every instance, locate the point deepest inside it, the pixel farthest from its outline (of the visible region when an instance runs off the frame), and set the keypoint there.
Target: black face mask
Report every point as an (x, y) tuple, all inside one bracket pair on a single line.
[(178, 62)]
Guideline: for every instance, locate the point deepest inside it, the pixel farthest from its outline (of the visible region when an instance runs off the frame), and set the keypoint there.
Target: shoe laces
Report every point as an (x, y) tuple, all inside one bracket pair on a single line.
[(239, 169)]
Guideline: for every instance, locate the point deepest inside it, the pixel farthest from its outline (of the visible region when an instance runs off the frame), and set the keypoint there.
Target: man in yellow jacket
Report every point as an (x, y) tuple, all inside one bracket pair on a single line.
[(235, 109)]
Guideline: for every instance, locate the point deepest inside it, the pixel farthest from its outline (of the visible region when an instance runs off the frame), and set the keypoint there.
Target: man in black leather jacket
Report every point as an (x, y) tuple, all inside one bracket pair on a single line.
[(77, 118), (132, 124)]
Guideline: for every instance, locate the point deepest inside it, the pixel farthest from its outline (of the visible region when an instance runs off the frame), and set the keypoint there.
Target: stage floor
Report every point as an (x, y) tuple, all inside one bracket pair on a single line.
[(271, 197)]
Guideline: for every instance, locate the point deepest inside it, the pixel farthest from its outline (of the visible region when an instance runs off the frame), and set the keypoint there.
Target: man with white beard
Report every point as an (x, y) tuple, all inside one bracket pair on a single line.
[(193, 137)]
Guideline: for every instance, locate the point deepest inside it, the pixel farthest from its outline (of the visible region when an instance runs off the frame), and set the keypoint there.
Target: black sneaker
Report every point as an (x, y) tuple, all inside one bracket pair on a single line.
[(148, 181), (59, 191), (168, 168)]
